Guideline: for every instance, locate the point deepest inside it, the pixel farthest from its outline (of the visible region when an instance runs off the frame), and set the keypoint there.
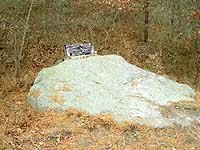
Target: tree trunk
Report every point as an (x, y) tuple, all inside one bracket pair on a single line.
[(146, 21), (197, 46), (172, 27)]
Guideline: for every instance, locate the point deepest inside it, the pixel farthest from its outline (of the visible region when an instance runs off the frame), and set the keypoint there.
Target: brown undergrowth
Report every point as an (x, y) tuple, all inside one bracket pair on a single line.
[(22, 127), (113, 32)]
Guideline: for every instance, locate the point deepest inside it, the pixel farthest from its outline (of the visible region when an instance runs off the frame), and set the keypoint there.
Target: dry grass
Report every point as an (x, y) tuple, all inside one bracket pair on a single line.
[(114, 26), (23, 128), (113, 32)]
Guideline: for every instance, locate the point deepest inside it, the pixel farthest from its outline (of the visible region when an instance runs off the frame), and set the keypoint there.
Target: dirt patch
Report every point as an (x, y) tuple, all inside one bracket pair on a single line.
[(65, 88), (57, 98), (35, 93)]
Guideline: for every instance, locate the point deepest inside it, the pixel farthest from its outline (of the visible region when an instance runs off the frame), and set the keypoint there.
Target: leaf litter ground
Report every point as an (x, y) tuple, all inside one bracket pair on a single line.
[(22, 127)]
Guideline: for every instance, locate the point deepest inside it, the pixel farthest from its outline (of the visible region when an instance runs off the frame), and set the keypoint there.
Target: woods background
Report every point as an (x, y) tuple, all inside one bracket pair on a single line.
[(160, 36)]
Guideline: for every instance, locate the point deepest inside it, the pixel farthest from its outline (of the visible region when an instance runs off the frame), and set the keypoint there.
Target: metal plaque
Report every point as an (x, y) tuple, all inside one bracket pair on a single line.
[(75, 50)]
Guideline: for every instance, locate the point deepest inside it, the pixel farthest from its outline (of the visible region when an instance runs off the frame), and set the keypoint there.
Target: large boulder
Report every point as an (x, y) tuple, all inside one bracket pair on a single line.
[(109, 85)]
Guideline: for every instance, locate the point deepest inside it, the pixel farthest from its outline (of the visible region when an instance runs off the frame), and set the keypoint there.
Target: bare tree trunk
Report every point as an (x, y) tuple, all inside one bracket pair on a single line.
[(172, 27), (20, 56), (146, 21), (197, 78)]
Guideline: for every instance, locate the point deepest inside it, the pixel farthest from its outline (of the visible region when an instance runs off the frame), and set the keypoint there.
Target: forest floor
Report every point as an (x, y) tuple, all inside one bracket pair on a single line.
[(112, 32), (21, 127)]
